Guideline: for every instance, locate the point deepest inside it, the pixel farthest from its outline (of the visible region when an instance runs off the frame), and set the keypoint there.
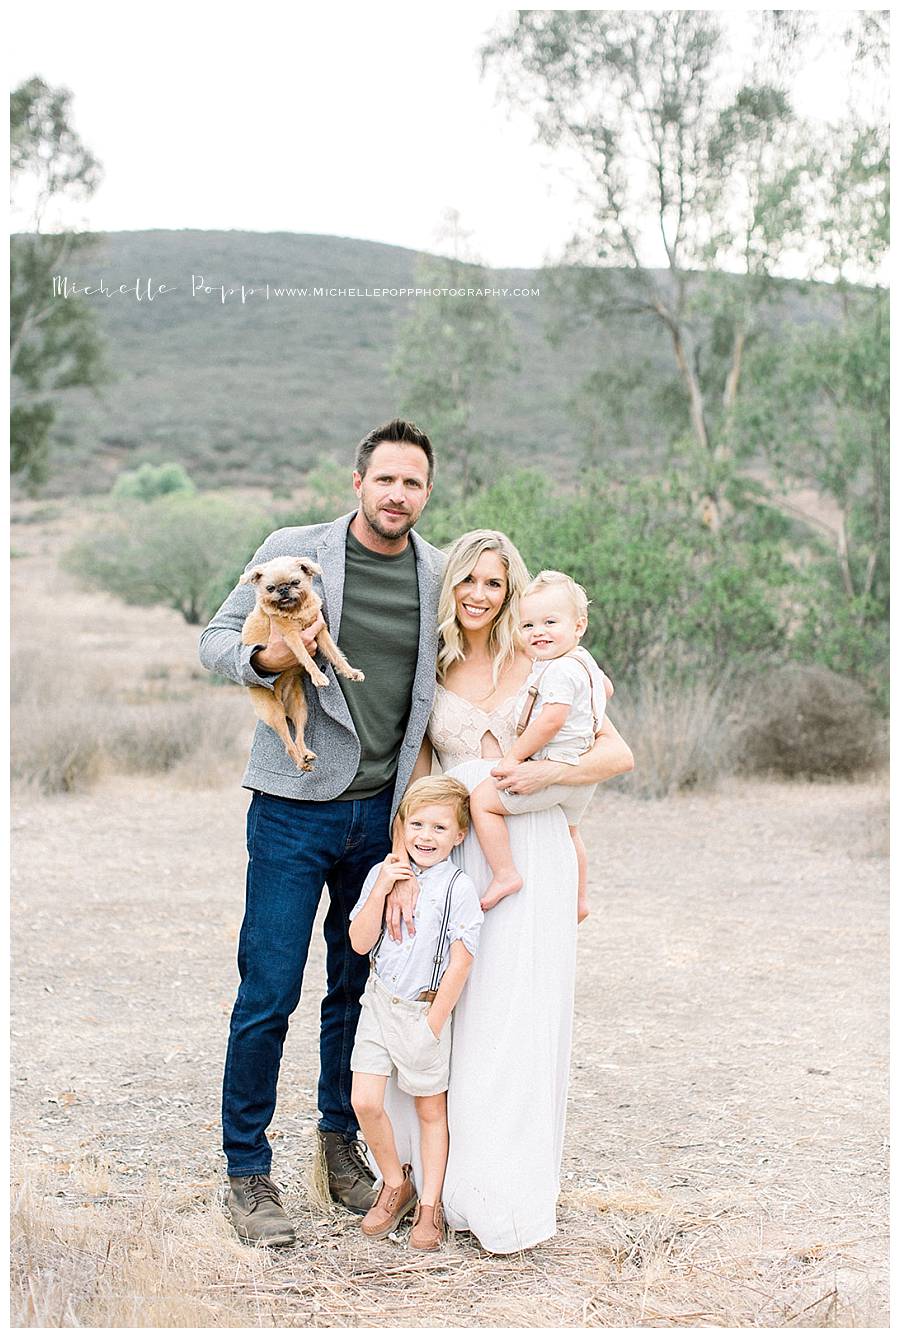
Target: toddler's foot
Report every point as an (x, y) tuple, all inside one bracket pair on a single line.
[(584, 909), (499, 888)]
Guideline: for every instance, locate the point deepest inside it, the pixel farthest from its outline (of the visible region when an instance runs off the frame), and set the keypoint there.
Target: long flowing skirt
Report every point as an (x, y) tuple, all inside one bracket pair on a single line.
[(512, 1040)]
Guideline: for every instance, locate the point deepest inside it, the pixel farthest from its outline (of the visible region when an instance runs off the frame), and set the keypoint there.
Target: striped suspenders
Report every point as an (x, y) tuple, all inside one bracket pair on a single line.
[(428, 995)]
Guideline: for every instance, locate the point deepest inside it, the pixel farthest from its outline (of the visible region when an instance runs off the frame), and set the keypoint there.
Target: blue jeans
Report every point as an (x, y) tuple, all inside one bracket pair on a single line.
[(295, 847)]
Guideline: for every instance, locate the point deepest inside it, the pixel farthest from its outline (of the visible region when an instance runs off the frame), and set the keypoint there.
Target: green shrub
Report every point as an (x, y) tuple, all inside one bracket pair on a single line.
[(658, 580), (149, 481), (808, 721), (182, 550)]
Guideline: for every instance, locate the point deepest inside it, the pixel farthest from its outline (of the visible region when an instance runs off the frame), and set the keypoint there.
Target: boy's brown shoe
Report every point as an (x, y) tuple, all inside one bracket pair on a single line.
[(427, 1228), (254, 1205), (390, 1208)]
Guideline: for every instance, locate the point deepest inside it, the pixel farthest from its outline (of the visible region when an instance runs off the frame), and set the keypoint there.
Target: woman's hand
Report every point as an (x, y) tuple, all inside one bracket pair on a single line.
[(525, 777), (610, 756)]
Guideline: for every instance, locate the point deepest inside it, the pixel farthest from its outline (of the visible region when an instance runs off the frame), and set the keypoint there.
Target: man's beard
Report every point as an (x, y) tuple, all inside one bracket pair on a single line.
[(375, 523)]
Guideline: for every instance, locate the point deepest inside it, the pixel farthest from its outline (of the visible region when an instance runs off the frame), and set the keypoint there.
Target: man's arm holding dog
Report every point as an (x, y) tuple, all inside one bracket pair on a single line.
[(221, 648)]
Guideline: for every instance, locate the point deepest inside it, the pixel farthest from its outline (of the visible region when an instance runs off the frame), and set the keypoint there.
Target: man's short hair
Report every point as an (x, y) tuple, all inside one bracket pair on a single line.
[(399, 430), (437, 790)]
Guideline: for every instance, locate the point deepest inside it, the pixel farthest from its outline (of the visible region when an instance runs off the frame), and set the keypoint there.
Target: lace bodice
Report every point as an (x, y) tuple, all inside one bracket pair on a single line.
[(457, 727)]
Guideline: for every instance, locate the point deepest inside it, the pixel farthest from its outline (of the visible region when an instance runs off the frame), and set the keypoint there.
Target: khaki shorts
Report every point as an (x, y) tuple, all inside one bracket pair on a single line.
[(572, 799), (393, 1033)]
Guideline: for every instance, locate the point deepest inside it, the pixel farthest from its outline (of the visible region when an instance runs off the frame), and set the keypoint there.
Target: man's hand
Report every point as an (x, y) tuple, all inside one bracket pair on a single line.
[(278, 655), (400, 905)]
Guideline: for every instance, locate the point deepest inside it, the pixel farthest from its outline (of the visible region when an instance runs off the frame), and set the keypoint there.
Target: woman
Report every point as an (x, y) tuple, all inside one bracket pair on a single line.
[(512, 1029)]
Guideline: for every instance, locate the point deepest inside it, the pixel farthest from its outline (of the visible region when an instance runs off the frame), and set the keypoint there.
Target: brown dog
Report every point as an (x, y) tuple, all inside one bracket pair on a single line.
[(286, 601)]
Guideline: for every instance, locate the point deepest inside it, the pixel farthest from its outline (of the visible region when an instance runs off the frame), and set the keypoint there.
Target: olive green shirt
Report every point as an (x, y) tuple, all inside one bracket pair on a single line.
[(379, 634)]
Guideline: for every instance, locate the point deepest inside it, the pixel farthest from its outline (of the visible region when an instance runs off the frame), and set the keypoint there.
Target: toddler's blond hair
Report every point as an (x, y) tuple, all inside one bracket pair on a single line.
[(577, 593), (437, 790)]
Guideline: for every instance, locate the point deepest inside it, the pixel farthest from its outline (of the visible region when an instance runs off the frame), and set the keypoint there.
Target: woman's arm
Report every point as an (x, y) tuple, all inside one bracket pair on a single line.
[(610, 756)]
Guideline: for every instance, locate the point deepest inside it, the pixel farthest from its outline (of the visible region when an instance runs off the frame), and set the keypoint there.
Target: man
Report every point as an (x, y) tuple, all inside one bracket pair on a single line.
[(380, 584)]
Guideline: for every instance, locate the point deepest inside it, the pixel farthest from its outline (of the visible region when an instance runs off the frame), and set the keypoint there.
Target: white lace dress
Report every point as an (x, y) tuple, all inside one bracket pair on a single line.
[(512, 1028)]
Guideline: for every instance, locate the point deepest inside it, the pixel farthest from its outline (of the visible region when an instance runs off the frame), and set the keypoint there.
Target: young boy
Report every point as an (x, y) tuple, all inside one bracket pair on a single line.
[(567, 690), (406, 1005)]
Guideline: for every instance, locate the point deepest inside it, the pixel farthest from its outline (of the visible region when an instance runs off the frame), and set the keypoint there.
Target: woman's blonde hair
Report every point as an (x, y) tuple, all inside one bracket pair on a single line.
[(462, 558), (437, 790)]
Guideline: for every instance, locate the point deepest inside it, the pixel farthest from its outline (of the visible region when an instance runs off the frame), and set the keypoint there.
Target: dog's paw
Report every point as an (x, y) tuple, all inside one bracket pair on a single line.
[(308, 762), (320, 679), (356, 676)]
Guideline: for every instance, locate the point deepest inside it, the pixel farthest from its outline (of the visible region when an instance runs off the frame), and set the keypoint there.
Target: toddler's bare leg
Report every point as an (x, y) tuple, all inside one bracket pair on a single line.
[(435, 1144), (367, 1096), (581, 855), (489, 821)]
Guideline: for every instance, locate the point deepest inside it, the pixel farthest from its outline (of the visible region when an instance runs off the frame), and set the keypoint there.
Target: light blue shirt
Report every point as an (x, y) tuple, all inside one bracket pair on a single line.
[(406, 968)]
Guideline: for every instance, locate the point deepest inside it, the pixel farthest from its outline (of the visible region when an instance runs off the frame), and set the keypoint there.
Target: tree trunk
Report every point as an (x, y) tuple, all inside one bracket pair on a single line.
[(695, 394), (729, 398)]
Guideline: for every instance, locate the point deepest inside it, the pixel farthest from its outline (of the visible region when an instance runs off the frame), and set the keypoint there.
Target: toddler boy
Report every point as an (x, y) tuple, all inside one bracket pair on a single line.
[(560, 710)]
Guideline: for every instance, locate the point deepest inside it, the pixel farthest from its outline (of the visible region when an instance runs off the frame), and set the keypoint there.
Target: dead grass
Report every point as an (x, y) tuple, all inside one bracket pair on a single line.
[(86, 1253), (101, 725), (682, 734), (127, 696), (724, 1163)]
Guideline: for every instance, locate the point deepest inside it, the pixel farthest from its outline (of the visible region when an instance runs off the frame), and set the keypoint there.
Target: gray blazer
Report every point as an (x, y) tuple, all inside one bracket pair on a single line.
[(329, 731)]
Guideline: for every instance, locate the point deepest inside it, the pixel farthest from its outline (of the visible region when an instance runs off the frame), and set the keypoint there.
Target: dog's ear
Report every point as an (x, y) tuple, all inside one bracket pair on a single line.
[(251, 577), (310, 567)]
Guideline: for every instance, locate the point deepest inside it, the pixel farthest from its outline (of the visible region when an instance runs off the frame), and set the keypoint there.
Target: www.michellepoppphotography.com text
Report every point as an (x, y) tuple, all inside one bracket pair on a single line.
[(147, 289)]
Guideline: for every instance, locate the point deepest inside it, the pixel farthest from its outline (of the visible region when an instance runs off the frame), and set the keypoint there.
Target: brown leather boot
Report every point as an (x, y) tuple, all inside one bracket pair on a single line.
[(390, 1208), (254, 1205), (427, 1228), (350, 1178)]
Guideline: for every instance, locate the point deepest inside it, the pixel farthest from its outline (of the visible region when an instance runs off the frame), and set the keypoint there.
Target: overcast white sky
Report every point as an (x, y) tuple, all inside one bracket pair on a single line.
[(361, 121)]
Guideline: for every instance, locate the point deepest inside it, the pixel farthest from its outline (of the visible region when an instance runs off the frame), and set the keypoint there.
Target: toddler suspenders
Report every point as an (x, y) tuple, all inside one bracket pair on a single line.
[(532, 696)]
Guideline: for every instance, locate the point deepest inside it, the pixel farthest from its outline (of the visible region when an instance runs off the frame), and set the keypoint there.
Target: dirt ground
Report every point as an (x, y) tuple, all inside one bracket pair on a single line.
[(726, 1153), (729, 1076)]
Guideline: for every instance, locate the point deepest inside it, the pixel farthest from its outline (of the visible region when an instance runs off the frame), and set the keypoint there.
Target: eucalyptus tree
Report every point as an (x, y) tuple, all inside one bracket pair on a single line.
[(684, 170), (821, 404), (54, 343)]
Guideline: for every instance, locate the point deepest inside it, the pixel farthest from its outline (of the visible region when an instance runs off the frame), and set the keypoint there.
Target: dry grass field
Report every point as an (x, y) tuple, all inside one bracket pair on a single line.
[(726, 1154)]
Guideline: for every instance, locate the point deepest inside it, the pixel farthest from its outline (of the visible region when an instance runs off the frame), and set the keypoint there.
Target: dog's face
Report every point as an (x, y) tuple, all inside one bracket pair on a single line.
[(283, 584)]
